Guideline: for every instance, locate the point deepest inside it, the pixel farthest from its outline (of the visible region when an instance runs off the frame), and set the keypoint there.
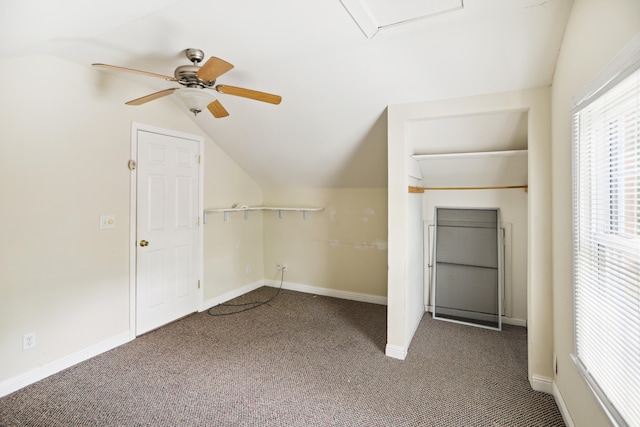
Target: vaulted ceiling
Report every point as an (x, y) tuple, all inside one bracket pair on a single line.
[(337, 65)]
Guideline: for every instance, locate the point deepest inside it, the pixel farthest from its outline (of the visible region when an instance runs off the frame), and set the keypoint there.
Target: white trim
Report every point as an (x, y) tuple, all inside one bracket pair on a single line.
[(200, 253), (206, 305), (362, 16), (396, 351), (308, 289), (514, 321), (135, 127), (44, 371), (620, 67), (562, 406), (480, 154), (133, 226), (541, 383)]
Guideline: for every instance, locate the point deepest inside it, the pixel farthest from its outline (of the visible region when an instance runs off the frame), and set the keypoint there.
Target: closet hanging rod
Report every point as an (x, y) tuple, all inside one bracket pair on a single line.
[(494, 187)]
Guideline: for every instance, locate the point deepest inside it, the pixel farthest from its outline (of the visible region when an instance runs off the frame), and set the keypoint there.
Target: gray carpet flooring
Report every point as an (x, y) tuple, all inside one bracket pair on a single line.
[(301, 360)]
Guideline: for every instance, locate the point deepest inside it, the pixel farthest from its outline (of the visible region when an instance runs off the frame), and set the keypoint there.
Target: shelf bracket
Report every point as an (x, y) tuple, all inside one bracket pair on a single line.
[(281, 211)]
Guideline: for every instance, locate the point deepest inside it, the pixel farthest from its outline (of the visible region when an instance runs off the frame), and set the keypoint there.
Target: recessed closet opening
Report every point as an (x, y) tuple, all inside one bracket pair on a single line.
[(476, 161)]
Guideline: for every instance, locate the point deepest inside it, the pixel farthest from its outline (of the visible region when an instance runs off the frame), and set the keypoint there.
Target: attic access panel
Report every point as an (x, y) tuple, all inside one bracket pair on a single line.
[(374, 15), (467, 273)]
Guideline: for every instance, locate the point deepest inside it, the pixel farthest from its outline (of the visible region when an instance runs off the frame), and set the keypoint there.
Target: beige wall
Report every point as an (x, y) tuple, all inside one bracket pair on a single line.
[(343, 247), (64, 147), (596, 31), (234, 245)]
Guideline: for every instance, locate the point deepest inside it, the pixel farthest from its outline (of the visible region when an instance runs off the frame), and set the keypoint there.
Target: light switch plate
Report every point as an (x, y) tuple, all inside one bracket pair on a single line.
[(107, 222)]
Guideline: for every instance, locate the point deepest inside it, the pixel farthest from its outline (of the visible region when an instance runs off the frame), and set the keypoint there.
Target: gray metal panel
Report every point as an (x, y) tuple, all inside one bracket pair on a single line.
[(467, 217), (467, 266), (467, 245), (467, 288)]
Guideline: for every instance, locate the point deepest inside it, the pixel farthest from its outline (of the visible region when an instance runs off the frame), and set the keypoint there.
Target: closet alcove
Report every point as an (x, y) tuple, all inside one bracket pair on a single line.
[(477, 180)]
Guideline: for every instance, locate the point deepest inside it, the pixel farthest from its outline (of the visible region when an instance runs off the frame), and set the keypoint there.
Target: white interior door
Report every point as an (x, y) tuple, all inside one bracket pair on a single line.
[(167, 246)]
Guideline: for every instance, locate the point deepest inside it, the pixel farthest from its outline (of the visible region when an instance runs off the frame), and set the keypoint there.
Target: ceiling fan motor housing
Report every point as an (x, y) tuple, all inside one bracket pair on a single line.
[(187, 76)]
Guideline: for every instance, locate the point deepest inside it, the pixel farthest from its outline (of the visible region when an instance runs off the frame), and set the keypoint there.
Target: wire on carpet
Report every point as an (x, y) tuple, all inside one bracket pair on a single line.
[(248, 305)]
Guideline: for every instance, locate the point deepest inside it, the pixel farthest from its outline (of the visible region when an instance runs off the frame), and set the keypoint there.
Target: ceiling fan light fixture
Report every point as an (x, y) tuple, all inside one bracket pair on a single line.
[(196, 100), (195, 80)]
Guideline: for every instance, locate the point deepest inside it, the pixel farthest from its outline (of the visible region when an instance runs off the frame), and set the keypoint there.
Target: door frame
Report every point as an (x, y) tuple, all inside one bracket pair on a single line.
[(133, 214)]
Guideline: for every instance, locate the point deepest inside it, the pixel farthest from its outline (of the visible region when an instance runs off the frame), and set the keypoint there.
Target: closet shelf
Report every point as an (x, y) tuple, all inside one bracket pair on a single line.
[(281, 210)]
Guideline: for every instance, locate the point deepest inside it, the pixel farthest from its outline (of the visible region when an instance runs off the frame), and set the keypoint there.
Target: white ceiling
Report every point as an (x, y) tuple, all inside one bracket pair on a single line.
[(330, 130), (495, 131)]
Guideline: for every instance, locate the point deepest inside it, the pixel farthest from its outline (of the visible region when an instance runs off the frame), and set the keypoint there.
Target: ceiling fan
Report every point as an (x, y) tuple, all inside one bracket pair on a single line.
[(196, 79)]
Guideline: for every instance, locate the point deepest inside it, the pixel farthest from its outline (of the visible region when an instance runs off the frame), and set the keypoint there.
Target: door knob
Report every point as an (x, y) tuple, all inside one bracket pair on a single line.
[(144, 243)]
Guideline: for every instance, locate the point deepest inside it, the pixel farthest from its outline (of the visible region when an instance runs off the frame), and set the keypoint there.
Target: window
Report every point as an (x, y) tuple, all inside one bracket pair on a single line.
[(606, 202)]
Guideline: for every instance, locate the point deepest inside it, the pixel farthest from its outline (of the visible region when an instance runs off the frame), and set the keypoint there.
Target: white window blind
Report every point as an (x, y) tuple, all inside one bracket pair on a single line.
[(606, 201)]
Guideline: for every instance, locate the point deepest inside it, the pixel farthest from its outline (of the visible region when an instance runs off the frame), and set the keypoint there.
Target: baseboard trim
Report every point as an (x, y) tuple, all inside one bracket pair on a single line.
[(543, 384), (562, 406), (514, 322), (206, 305), (42, 372), (308, 289), (395, 351)]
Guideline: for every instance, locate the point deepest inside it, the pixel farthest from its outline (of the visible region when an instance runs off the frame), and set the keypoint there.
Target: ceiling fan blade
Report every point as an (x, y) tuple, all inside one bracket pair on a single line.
[(213, 68), (248, 93), (151, 97), (217, 109), (131, 70)]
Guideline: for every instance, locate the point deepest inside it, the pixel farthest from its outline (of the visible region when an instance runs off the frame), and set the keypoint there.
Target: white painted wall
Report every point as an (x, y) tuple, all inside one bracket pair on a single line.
[(513, 210), (596, 31), (415, 264), (65, 143), (537, 103)]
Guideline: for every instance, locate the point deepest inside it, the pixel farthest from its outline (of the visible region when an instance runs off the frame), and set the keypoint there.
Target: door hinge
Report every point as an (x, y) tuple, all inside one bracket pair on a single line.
[(198, 284), (199, 159)]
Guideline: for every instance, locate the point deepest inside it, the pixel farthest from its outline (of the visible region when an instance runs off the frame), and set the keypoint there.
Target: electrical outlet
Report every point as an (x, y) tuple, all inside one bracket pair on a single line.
[(28, 341), (281, 266)]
